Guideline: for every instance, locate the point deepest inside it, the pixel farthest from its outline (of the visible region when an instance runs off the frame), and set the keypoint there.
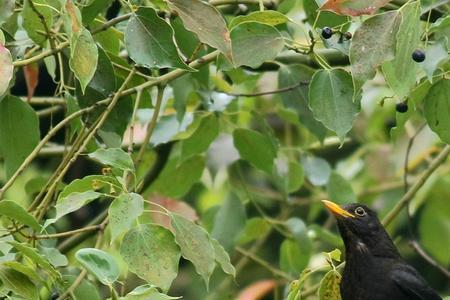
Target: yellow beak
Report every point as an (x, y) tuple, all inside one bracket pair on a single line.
[(336, 209)]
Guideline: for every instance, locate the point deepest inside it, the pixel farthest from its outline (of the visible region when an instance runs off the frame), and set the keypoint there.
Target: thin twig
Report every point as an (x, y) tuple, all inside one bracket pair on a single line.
[(416, 246), (67, 233), (277, 91)]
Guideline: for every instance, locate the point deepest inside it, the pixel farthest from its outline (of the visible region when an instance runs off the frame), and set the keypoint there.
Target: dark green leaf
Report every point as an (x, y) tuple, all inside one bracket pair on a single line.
[(206, 22), (203, 136), (123, 212), (85, 290), (152, 254), (16, 212), (18, 136), (326, 18), (114, 157), (331, 100), (100, 263), (32, 22), (18, 283), (94, 8), (339, 190), (254, 43), (149, 41), (437, 106), (195, 245), (255, 148)]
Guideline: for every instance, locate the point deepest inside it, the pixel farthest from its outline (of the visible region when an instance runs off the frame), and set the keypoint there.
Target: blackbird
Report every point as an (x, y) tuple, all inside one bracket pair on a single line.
[(374, 269)]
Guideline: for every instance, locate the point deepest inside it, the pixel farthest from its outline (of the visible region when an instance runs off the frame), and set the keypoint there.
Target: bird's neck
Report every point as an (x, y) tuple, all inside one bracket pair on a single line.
[(378, 245)]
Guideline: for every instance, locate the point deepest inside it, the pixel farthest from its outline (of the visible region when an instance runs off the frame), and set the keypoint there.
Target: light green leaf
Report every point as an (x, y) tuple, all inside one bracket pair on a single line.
[(254, 43), (339, 190), (195, 245), (168, 127), (114, 157), (149, 41), (28, 271), (440, 24), (329, 286), (437, 106), (268, 17), (292, 259), (176, 179), (6, 68), (123, 212), (147, 292), (32, 23), (71, 203), (100, 263), (18, 283), (255, 148), (436, 53), (317, 170), (85, 184), (223, 258), (229, 222), (36, 257), (297, 99), (205, 21), (16, 212), (253, 230), (400, 73), (372, 44), (152, 254), (83, 56), (6, 11), (203, 136), (18, 136), (85, 290), (331, 100), (56, 258)]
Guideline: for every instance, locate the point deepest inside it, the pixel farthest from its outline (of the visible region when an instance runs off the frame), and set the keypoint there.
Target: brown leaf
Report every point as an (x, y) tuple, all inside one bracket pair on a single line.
[(353, 7), (176, 206), (257, 290), (31, 73)]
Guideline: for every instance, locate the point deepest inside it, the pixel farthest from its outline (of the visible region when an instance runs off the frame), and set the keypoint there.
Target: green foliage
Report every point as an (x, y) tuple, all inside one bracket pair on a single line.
[(184, 141)]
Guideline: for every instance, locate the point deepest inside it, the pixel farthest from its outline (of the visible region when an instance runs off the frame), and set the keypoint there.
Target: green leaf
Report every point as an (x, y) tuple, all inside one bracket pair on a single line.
[(268, 17), (255, 148), (18, 283), (149, 41), (95, 7), (147, 292), (85, 184), (200, 140), (32, 23), (100, 263), (123, 212), (436, 54), (6, 68), (297, 99), (331, 100), (18, 136), (56, 258), (71, 203), (152, 254), (440, 24), (36, 257), (222, 258), (254, 229), (326, 18), (6, 11), (85, 290), (205, 21), (16, 212), (339, 190), (292, 259), (372, 44), (229, 222), (437, 106), (400, 73), (317, 170), (254, 43), (83, 56), (114, 157), (168, 127), (195, 245), (329, 286), (176, 179), (28, 271)]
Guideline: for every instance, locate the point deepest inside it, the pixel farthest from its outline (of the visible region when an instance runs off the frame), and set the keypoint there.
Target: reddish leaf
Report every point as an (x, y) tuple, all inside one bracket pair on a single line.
[(6, 69), (31, 73), (176, 206), (353, 7), (257, 290)]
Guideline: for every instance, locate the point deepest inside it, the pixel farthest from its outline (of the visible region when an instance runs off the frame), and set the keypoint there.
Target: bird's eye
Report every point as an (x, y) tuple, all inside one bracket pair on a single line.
[(359, 211)]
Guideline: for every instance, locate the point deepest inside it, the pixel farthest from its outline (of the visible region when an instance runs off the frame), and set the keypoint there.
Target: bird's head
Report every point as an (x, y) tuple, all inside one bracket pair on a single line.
[(361, 230)]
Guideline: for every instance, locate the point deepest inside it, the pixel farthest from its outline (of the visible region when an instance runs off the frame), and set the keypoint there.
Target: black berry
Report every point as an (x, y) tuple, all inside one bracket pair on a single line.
[(327, 32), (348, 35), (418, 55), (401, 107)]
